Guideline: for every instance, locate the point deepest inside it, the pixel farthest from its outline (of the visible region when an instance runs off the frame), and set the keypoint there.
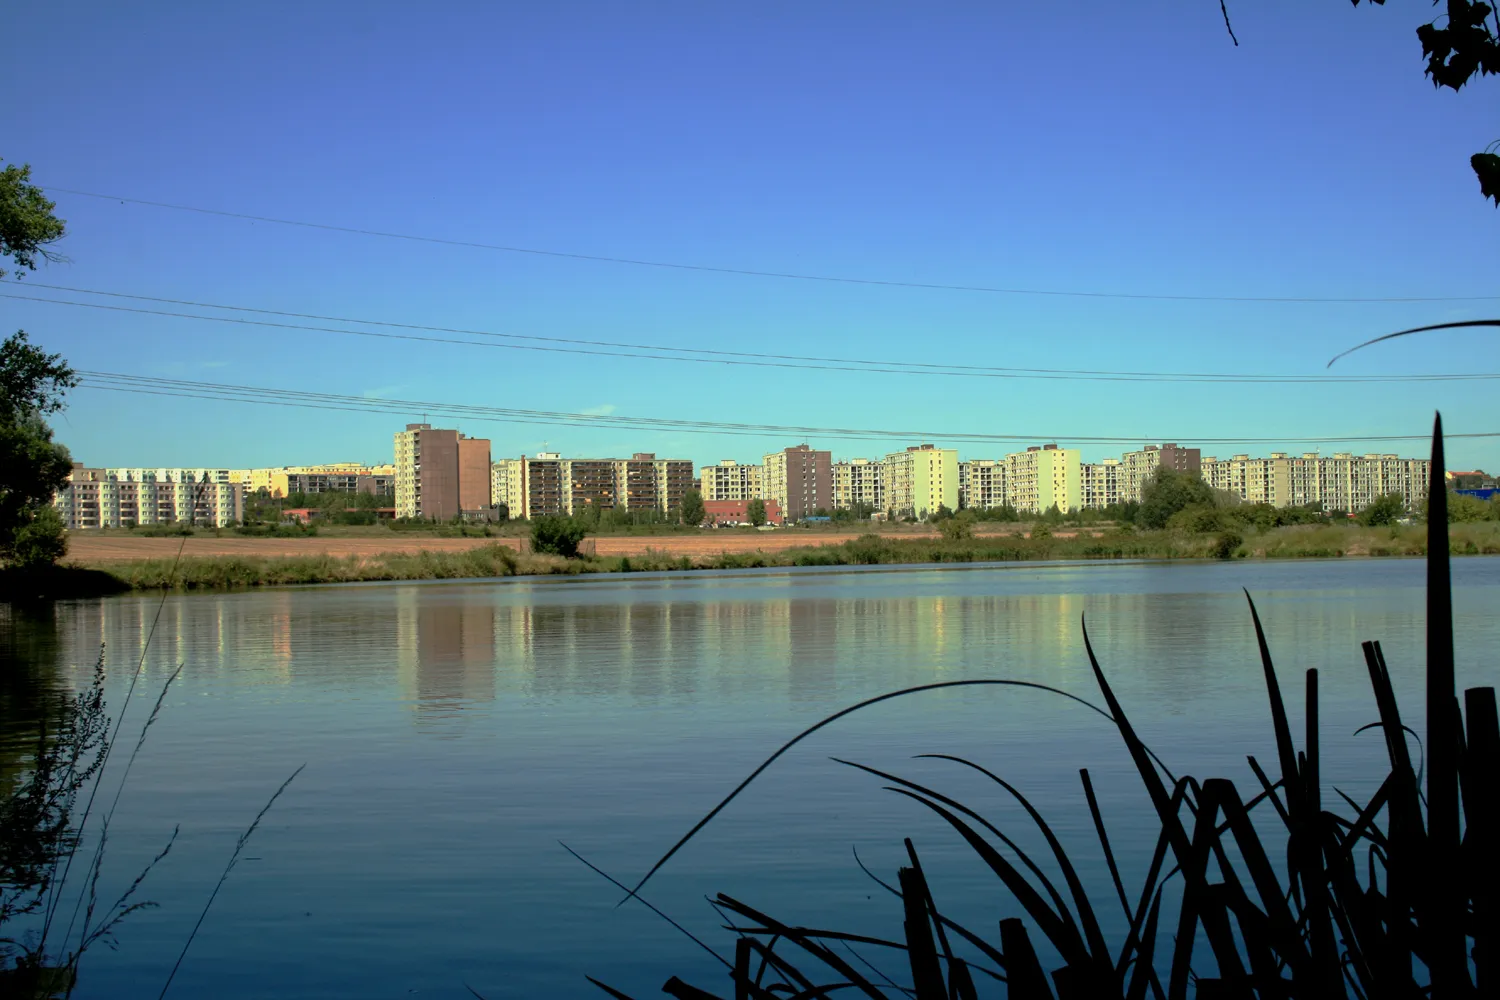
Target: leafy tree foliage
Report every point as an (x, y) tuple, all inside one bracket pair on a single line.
[(856, 511), (692, 507), (957, 529), (756, 512), (1463, 46), (32, 384), (1385, 510), (27, 225), (1171, 491), (557, 535), (1463, 508), (32, 469)]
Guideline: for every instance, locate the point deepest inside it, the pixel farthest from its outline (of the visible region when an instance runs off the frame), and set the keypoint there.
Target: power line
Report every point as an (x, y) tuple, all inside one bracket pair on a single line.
[(789, 275), (228, 392), (720, 358)]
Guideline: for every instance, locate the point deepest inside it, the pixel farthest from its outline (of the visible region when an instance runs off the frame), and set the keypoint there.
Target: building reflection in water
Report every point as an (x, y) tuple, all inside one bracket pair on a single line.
[(446, 651)]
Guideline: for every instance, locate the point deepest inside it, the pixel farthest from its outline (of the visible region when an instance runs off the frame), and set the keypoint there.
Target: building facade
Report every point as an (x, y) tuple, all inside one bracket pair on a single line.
[(859, 481), (548, 484), (118, 498), (441, 474), (727, 513), (729, 480), (508, 485), (799, 479), (1342, 481), (981, 484), (338, 477), (921, 479), (1138, 468), (1102, 484), (1043, 477)]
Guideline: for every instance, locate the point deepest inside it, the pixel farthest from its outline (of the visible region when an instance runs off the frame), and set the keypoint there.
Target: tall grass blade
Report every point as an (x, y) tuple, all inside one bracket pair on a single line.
[(234, 858), (1444, 917), (1023, 971), (1097, 947), (921, 952), (1481, 785), (918, 689)]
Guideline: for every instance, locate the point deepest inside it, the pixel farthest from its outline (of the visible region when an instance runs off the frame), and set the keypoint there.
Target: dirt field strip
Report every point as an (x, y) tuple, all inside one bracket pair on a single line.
[(92, 550)]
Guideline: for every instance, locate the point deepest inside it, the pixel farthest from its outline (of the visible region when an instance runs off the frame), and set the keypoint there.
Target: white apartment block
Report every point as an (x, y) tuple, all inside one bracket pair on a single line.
[(117, 498), (981, 484), (1343, 481), (1102, 483), (1044, 477), (729, 480), (921, 479), (858, 481)]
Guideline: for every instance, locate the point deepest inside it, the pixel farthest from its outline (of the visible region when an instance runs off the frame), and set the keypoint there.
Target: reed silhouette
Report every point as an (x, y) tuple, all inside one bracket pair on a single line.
[(1393, 897)]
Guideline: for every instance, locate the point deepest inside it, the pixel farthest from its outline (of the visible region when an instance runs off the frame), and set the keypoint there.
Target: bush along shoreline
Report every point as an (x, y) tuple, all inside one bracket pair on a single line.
[(496, 560)]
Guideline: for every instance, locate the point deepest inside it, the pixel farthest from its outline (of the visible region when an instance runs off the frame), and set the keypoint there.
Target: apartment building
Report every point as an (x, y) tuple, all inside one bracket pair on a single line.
[(343, 477), (921, 479), (508, 485), (1138, 468), (729, 480), (1102, 484), (1043, 477), (441, 474), (548, 484), (859, 481), (981, 484), (1342, 481), (799, 479), (117, 498)]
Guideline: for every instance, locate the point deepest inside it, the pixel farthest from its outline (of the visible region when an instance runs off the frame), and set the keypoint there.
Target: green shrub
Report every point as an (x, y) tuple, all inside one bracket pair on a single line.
[(1227, 545), (40, 541), (558, 536), (956, 529)]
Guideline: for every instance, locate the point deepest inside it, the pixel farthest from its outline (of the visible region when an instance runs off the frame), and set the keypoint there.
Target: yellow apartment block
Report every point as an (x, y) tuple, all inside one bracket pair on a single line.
[(729, 480), (921, 479), (508, 484), (1043, 477)]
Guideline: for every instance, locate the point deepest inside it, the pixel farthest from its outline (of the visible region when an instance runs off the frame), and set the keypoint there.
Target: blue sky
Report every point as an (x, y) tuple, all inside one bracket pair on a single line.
[(1101, 146)]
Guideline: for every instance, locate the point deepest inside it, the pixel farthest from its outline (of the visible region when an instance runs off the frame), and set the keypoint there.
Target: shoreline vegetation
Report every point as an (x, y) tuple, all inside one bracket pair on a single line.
[(193, 573)]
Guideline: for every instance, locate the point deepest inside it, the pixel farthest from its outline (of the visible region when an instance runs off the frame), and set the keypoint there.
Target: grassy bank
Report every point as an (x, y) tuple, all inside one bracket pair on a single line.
[(1303, 541)]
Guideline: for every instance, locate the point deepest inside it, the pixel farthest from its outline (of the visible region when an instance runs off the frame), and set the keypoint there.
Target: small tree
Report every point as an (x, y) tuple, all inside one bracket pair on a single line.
[(502, 512), (692, 508), (1385, 510), (1168, 492), (557, 536), (957, 529), (756, 512)]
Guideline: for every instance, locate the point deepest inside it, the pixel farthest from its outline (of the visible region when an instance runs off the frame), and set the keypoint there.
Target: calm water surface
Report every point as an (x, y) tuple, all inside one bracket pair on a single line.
[(454, 734)]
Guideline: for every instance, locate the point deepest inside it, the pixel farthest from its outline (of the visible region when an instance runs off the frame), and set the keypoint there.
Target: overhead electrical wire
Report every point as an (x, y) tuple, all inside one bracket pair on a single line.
[(698, 355), (787, 275), (228, 392)]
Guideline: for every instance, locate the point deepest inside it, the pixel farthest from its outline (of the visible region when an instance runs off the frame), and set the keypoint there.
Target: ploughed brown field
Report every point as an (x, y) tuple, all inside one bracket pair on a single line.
[(89, 549)]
